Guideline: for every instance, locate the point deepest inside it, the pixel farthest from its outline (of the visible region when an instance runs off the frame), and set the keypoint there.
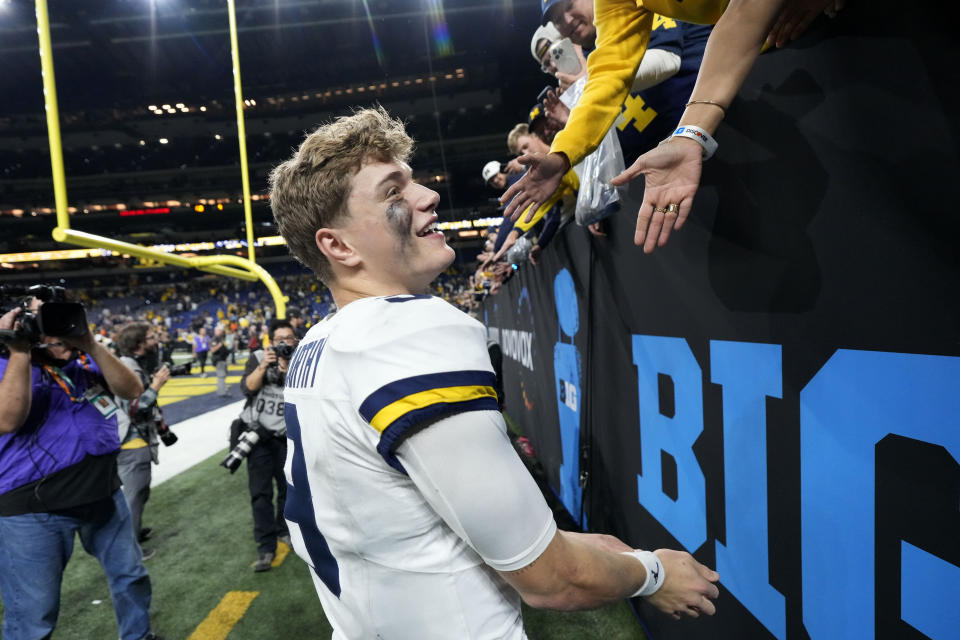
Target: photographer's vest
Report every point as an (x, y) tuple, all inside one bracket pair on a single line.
[(266, 407), (136, 434)]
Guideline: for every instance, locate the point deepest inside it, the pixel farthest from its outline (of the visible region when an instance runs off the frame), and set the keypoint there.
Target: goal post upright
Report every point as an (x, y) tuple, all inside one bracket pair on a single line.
[(225, 265)]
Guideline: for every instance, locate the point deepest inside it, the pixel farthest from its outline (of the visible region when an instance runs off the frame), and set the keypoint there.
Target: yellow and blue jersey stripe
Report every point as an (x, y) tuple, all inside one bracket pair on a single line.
[(396, 408)]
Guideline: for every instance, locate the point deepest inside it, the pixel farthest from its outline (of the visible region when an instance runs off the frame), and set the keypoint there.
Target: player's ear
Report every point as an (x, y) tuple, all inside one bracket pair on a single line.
[(334, 245)]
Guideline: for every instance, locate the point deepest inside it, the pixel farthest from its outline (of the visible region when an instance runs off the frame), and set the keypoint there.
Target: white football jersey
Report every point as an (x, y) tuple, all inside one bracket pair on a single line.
[(385, 565)]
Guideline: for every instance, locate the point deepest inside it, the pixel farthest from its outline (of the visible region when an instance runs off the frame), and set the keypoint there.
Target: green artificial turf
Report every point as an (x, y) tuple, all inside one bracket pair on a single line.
[(203, 534)]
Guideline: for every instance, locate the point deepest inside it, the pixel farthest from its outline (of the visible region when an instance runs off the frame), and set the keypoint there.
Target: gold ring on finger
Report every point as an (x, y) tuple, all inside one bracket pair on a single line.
[(659, 210), (673, 208)]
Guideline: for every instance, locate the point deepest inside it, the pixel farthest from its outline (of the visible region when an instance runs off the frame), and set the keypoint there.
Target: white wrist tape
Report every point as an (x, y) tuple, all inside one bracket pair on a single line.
[(655, 572), (696, 133)]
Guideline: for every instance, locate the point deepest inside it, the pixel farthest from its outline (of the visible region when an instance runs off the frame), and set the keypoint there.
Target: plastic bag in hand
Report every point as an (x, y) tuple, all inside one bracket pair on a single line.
[(597, 198)]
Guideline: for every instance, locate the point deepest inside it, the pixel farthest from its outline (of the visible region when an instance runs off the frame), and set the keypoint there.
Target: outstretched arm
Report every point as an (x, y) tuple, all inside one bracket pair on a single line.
[(672, 170), (585, 571), (467, 470)]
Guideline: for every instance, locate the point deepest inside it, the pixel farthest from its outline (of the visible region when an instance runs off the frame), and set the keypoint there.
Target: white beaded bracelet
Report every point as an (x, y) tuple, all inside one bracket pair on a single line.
[(655, 572), (696, 133)]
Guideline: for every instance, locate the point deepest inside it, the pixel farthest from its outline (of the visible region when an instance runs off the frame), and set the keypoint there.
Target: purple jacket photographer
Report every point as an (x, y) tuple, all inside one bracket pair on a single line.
[(58, 474)]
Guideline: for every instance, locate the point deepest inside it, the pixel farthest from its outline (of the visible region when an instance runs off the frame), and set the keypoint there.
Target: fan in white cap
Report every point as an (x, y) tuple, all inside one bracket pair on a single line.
[(547, 44), (490, 169)]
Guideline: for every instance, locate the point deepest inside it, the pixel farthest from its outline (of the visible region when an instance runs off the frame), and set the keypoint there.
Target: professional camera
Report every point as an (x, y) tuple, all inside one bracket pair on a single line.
[(283, 350), (248, 440), (274, 375), (167, 437), (57, 317), (182, 369)]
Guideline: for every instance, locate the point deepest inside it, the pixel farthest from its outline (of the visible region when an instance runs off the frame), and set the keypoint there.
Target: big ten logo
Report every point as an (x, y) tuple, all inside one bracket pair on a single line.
[(854, 401), (567, 382), (567, 393)]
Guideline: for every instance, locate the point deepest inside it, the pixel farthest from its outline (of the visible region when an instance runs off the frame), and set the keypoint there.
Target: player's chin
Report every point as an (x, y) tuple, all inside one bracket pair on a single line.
[(442, 256), (446, 254)]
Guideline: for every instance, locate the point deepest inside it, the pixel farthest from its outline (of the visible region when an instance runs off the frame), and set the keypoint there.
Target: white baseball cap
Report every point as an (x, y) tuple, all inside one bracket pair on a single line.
[(490, 169)]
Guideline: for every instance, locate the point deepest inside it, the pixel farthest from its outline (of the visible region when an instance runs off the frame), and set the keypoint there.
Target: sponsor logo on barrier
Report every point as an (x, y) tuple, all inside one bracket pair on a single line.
[(518, 345)]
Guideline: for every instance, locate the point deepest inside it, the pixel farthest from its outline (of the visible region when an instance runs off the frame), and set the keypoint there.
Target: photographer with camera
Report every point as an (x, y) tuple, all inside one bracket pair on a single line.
[(262, 383), (58, 469), (140, 421)]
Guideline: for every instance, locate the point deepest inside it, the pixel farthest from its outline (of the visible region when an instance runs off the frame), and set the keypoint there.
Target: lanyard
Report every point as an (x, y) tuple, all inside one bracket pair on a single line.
[(62, 379)]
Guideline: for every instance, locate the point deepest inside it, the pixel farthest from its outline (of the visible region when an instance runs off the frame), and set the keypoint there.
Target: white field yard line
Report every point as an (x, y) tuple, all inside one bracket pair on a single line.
[(199, 438)]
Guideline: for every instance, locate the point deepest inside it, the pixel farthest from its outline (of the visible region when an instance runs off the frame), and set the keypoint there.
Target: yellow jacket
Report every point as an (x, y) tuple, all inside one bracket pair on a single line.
[(623, 33)]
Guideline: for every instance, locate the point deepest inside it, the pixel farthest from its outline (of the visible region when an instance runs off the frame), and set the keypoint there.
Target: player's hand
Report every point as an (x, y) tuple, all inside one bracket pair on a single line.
[(8, 322), (672, 173), (554, 108), (545, 170), (689, 588), (160, 377), (269, 358)]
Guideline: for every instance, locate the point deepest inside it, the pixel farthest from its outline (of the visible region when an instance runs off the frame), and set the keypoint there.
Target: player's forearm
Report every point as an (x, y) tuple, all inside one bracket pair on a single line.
[(581, 576), (732, 49), (15, 392), (120, 378)]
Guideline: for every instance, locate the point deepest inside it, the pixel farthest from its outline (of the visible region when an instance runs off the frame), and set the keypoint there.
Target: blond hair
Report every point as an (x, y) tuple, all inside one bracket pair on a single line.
[(513, 138), (309, 191)]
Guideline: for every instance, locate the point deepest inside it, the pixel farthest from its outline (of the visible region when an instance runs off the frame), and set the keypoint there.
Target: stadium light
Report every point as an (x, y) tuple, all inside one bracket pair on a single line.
[(164, 141)]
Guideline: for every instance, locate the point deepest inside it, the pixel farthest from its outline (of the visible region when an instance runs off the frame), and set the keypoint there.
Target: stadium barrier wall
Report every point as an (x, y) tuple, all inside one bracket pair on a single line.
[(778, 389)]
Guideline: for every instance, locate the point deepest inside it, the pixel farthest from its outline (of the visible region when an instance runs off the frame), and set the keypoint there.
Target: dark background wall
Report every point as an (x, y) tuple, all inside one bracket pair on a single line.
[(776, 390)]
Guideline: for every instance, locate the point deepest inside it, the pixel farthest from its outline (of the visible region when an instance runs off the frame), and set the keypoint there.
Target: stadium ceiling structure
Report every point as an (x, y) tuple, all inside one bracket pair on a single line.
[(130, 53), (146, 96)]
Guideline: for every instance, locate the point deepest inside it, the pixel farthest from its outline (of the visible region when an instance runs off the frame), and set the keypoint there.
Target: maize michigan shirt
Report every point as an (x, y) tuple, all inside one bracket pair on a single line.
[(385, 564), (623, 34)]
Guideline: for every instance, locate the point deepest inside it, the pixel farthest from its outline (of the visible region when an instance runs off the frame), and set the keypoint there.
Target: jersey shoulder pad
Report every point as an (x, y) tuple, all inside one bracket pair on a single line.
[(373, 323)]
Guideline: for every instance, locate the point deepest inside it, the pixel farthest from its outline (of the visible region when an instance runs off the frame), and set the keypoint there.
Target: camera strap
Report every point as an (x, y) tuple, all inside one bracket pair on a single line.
[(95, 394), (64, 381)]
